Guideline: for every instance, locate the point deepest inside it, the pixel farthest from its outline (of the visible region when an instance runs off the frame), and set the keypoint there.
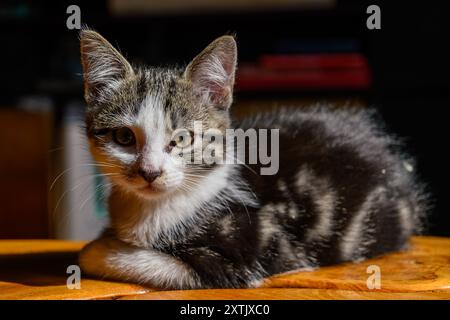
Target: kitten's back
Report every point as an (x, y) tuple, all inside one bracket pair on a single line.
[(348, 184)]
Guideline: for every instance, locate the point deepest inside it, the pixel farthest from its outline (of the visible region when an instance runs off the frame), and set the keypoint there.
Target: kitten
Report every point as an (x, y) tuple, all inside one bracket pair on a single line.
[(343, 191)]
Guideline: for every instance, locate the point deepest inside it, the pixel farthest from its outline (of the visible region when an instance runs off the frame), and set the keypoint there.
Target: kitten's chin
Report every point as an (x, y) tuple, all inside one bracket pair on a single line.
[(154, 190), (143, 191), (151, 191)]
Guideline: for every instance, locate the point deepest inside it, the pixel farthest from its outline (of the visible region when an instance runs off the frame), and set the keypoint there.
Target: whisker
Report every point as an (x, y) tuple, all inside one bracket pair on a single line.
[(78, 185), (78, 166), (97, 188)]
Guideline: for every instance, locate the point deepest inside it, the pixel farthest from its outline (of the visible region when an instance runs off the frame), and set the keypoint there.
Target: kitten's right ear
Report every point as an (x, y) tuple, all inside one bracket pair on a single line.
[(103, 65)]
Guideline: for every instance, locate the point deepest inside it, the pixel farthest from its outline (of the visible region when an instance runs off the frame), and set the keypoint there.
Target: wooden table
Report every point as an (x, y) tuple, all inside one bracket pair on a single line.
[(36, 269)]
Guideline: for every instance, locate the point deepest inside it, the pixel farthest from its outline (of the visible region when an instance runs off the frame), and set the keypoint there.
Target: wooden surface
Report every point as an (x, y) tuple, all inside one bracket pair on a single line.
[(36, 269), (285, 294)]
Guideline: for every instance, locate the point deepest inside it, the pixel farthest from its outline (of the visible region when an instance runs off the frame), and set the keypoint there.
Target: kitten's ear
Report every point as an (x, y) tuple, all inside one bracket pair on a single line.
[(212, 72), (103, 65)]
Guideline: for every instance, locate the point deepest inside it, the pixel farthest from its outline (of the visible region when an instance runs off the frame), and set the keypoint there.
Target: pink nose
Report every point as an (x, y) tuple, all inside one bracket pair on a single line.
[(150, 176)]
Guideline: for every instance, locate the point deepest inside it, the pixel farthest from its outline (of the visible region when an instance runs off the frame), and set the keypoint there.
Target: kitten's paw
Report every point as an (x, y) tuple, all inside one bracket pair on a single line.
[(93, 257), (256, 283)]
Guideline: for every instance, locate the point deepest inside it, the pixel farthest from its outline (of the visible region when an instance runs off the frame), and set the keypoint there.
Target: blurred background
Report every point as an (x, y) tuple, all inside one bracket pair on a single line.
[(291, 52)]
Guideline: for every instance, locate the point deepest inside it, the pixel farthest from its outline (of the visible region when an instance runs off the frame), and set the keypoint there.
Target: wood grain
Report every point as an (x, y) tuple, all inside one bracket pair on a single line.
[(17, 247), (424, 267), (90, 289), (36, 269), (285, 294)]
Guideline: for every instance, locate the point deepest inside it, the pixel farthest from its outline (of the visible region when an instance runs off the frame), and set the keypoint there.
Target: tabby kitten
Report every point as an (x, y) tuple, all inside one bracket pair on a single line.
[(343, 191)]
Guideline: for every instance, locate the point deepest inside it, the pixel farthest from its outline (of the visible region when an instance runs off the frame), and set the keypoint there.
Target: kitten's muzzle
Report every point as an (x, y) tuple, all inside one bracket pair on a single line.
[(150, 176)]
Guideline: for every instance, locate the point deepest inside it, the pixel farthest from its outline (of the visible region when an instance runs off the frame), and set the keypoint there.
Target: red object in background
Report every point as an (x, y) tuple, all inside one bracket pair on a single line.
[(305, 71), (313, 61), (250, 78)]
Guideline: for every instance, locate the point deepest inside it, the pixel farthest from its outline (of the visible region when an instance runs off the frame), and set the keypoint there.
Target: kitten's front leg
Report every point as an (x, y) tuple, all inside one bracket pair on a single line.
[(111, 258)]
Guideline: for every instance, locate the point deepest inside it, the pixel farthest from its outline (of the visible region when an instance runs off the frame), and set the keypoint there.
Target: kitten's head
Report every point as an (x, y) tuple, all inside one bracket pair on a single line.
[(140, 120)]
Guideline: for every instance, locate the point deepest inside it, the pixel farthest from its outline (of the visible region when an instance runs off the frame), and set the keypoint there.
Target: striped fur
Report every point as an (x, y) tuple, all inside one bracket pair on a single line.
[(344, 190)]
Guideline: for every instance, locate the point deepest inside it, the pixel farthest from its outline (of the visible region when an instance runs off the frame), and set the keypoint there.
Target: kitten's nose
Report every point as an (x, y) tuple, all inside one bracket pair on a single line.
[(151, 175)]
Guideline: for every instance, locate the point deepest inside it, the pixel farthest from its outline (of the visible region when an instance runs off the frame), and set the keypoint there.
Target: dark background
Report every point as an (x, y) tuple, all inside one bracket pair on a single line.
[(409, 59)]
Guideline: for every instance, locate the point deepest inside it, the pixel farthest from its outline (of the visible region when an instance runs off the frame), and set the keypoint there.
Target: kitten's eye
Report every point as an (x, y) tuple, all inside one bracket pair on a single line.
[(182, 139), (124, 137)]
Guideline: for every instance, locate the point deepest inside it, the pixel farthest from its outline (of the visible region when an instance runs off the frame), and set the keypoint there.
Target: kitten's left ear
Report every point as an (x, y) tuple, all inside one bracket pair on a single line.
[(212, 72)]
